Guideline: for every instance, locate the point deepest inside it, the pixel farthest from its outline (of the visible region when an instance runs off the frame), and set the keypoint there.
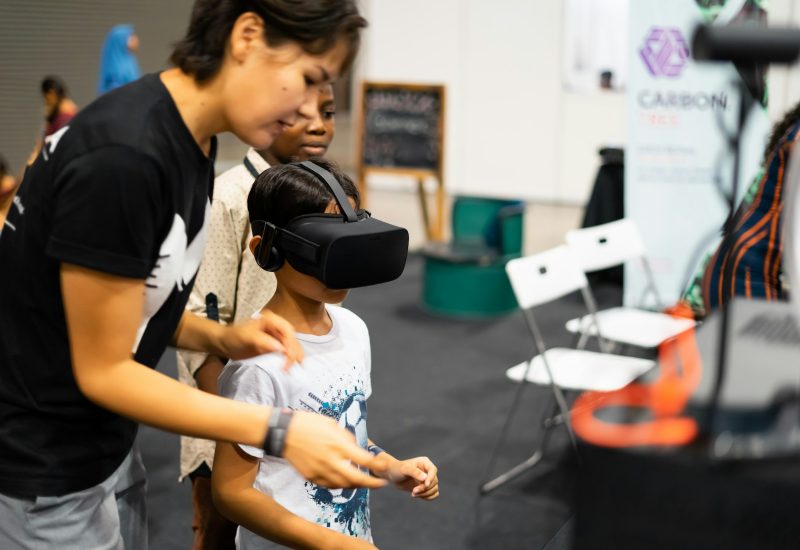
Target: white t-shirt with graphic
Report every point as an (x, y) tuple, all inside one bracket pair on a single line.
[(334, 380)]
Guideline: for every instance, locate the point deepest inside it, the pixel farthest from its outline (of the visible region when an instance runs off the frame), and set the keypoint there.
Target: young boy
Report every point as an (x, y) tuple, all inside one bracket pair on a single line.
[(264, 494), (230, 284)]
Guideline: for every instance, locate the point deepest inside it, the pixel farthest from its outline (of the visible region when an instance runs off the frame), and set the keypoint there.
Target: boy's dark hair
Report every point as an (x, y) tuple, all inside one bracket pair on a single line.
[(3, 167), (286, 191), (315, 25), (52, 83)]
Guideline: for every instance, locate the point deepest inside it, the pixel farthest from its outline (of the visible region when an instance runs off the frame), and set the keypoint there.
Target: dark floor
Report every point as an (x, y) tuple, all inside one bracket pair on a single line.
[(438, 390)]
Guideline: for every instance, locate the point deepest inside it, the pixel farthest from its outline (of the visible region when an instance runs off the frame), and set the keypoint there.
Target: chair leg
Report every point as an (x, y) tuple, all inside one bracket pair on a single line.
[(553, 421), (520, 468), (556, 420), (517, 470), (563, 409), (507, 424), (583, 339)]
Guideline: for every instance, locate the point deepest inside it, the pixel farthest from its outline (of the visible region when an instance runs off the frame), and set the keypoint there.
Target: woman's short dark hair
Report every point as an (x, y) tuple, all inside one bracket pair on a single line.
[(286, 191), (315, 25), (52, 83)]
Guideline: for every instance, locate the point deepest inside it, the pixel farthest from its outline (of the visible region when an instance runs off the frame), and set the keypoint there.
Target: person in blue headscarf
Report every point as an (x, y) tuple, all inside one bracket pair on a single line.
[(118, 64)]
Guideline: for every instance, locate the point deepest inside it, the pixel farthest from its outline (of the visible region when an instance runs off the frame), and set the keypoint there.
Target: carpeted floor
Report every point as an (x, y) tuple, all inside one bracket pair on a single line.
[(438, 390)]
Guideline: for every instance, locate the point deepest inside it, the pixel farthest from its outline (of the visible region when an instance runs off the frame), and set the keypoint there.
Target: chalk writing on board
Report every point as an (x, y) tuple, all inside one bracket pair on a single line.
[(401, 127)]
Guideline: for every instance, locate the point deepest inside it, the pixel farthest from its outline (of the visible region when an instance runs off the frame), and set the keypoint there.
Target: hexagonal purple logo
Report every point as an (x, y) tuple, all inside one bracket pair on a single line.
[(665, 52)]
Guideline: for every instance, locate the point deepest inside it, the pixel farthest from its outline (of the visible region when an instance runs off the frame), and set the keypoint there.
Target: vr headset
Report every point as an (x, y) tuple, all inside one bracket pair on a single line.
[(347, 250)]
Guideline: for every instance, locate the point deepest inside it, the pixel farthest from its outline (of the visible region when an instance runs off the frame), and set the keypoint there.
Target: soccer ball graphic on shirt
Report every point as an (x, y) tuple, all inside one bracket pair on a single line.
[(354, 419)]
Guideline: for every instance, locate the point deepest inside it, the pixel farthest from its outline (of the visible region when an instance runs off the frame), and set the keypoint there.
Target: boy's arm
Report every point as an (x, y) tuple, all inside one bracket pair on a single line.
[(418, 475), (102, 322), (207, 374), (237, 499)]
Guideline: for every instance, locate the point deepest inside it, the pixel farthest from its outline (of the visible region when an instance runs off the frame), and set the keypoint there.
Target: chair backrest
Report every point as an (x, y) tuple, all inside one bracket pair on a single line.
[(606, 245), (545, 276)]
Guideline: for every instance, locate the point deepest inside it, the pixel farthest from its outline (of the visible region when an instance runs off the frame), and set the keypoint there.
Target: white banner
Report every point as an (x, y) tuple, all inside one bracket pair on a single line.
[(675, 148)]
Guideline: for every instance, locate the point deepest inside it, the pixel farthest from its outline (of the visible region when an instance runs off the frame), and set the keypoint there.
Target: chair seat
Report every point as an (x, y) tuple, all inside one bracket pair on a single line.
[(637, 327), (583, 370)]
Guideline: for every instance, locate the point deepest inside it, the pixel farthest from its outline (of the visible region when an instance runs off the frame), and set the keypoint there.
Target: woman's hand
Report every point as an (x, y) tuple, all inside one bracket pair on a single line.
[(268, 333), (322, 452)]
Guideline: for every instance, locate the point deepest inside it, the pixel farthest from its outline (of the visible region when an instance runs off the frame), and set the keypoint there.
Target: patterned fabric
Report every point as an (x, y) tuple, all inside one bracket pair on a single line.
[(748, 260), (229, 271)]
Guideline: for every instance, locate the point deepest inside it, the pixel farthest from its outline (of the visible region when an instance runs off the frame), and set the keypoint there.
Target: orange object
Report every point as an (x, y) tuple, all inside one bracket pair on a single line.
[(666, 398)]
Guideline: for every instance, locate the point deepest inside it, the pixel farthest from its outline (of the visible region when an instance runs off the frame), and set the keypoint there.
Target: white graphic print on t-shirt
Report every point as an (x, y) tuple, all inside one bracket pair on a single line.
[(176, 265), (51, 142), (49, 146), (345, 510)]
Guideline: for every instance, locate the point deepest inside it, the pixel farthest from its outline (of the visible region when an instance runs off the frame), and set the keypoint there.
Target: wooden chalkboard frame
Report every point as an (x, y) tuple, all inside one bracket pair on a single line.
[(434, 229)]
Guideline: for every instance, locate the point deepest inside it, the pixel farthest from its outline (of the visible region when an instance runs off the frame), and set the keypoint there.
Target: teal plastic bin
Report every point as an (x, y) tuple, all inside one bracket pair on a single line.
[(466, 278)]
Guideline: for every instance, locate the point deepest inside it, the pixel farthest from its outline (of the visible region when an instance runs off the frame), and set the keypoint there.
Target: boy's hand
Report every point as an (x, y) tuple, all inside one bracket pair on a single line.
[(418, 475), (322, 452), (268, 333)]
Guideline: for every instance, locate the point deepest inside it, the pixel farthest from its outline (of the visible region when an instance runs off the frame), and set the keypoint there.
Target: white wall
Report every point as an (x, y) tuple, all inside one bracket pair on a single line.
[(403, 45), (511, 129), (510, 100), (589, 121)]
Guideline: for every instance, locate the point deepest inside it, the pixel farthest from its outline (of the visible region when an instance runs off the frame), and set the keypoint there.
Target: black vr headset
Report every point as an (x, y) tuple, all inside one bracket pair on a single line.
[(345, 250)]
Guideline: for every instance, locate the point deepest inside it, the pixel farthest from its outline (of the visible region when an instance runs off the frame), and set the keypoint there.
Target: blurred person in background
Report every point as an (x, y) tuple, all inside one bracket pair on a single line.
[(748, 261), (8, 188), (110, 226), (230, 287), (59, 109), (118, 63)]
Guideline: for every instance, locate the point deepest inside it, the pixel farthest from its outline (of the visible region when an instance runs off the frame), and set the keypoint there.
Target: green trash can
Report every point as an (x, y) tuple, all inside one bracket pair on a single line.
[(466, 278)]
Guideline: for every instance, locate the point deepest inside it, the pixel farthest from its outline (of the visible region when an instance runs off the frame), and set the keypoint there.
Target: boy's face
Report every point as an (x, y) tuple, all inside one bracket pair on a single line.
[(309, 137), (302, 286), (306, 287)]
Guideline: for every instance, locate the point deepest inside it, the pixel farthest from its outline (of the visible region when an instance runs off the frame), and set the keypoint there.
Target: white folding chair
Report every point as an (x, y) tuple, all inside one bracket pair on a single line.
[(608, 245), (537, 280)]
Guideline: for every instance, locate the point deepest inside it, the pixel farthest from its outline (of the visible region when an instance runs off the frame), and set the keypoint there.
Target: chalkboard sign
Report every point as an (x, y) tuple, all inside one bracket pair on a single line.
[(401, 127), (401, 131)]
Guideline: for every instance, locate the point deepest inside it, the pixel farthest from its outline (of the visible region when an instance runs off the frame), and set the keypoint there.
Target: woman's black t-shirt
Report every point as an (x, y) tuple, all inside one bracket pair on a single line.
[(123, 189)]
